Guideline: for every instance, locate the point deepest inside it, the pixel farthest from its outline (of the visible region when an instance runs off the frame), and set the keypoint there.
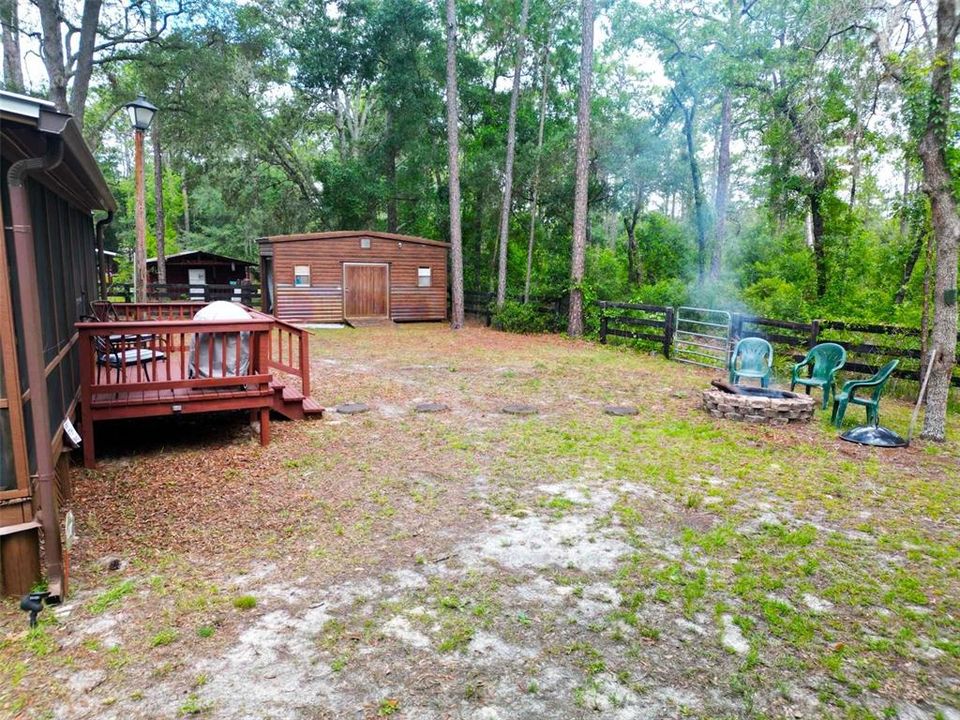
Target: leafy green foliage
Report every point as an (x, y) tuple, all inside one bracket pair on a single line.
[(311, 115)]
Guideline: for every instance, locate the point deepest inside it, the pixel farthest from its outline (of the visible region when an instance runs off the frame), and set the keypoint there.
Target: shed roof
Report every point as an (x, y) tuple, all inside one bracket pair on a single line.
[(202, 255), (25, 122), (338, 234)]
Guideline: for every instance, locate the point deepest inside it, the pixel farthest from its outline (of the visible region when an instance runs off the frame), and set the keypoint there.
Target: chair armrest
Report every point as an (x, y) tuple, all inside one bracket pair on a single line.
[(854, 384)]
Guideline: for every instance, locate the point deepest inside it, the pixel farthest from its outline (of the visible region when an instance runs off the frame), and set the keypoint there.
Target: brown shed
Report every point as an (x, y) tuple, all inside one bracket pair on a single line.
[(198, 267), (357, 274)]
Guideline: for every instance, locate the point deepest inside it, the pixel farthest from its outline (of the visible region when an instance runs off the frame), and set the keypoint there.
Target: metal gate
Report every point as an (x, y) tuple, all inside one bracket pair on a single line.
[(702, 337)]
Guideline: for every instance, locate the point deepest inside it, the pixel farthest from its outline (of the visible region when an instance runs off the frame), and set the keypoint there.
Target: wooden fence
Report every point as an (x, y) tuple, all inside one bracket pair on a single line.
[(247, 294), (868, 345), (481, 304), (630, 320)]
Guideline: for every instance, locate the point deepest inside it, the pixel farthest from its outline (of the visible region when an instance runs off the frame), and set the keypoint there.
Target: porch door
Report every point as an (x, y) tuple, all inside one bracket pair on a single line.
[(366, 290), (197, 276)]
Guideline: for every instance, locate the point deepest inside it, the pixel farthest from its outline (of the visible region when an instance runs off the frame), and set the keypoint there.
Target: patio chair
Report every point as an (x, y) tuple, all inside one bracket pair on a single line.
[(755, 356), (104, 311), (872, 403), (111, 356), (822, 363)]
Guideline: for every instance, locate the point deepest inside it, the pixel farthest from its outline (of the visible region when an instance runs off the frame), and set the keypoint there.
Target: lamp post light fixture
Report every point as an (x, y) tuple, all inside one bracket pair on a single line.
[(141, 113)]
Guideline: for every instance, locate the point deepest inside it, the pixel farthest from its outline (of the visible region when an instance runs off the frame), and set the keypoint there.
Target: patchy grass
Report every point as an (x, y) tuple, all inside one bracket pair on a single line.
[(245, 602), (563, 564)]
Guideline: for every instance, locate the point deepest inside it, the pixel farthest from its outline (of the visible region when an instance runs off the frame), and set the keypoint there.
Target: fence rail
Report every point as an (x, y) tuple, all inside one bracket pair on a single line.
[(247, 294), (618, 319), (868, 345)]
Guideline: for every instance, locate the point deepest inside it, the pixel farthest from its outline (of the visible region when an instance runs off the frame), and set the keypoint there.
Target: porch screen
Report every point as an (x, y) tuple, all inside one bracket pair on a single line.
[(7, 479)]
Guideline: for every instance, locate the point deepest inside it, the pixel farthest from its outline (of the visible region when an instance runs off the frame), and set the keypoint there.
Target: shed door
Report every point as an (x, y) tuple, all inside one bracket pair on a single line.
[(365, 290)]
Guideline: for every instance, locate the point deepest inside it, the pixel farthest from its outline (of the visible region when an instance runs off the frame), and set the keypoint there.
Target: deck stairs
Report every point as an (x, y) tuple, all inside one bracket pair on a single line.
[(290, 402)]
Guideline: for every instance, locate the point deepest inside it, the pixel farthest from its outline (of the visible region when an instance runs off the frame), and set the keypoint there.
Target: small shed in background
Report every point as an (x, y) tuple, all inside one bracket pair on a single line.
[(198, 267), (349, 275)]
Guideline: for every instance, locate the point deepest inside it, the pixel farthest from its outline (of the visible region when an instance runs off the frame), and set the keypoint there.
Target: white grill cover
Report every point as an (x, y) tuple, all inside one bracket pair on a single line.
[(202, 344)]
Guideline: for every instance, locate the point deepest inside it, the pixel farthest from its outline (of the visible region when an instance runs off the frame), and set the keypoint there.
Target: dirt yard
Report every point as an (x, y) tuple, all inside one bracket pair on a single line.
[(475, 564)]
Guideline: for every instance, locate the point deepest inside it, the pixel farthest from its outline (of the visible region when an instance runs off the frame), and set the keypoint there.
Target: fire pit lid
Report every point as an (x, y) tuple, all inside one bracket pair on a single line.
[(875, 436)]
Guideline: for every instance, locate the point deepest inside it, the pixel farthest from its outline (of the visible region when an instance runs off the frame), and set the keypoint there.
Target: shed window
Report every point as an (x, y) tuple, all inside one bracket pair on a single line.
[(423, 277), (364, 243), (301, 276)]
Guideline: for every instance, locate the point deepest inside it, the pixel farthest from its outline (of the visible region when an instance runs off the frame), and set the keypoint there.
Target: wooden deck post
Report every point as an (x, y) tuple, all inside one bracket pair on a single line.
[(85, 343), (305, 362), (814, 334), (264, 426), (668, 328)]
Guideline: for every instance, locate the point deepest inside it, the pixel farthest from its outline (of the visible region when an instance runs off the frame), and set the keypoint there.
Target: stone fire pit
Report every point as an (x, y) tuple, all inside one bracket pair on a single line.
[(756, 406)]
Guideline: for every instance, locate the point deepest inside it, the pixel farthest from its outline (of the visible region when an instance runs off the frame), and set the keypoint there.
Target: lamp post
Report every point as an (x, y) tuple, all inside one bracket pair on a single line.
[(141, 115)]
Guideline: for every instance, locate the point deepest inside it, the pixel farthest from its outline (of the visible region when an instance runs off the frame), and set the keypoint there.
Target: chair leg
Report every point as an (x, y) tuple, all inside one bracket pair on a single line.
[(839, 410), (826, 397), (764, 381)]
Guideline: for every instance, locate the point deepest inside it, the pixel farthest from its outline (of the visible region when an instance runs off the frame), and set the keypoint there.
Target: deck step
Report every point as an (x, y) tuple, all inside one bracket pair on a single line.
[(312, 407), (291, 403)]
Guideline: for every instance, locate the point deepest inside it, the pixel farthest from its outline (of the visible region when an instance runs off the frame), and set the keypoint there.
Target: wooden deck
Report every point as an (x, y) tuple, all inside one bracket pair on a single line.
[(152, 359)]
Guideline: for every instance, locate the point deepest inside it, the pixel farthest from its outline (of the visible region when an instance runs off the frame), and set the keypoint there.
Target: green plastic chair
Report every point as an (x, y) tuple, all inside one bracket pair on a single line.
[(872, 403), (823, 361), (756, 360)]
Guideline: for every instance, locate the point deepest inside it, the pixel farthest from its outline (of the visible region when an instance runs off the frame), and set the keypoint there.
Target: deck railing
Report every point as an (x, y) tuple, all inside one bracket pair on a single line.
[(288, 350), (246, 294), (135, 356), (135, 312)]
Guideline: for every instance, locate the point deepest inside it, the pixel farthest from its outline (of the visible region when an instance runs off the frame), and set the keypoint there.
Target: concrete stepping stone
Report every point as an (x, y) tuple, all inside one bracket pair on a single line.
[(621, 410), (519, 409), (352, 408), (431, 407)]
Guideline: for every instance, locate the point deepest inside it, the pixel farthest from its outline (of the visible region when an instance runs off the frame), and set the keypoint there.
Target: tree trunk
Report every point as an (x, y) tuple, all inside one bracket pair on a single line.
[(83, 68), (696, 178), (579, 249), (508, 164), (938, 185), (722, 195), (536, 172), (159, 219), (12, 68), (391, 172), (78, 67), (453, 160), (186, 202), (919, 235), (51, 44), (904, 223), (816, 234), (634, 263)]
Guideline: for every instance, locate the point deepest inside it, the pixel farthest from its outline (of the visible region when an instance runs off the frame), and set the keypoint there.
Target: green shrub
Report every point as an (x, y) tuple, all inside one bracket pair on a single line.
[(519, 318)]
